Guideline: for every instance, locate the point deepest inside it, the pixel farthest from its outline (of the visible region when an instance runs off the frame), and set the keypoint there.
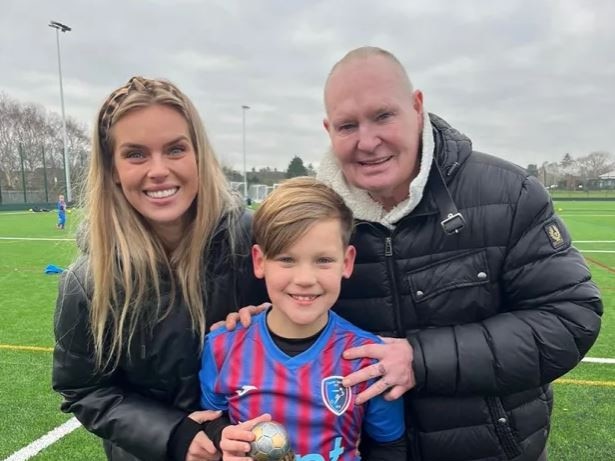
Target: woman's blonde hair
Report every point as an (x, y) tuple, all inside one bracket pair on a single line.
[(292, 209), (125, 255)]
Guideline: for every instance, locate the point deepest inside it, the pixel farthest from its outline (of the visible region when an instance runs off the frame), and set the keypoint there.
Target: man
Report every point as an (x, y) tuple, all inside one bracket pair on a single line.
[(461, 262)]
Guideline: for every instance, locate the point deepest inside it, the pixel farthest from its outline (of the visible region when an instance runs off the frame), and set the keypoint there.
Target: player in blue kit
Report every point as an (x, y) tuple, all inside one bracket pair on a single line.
[(288, 363), (61, 207)]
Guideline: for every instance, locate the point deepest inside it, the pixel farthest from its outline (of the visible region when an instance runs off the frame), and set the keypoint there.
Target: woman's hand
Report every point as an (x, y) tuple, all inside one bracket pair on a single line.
[(235, 442), (244, 315), (394, 368), (201, 448)]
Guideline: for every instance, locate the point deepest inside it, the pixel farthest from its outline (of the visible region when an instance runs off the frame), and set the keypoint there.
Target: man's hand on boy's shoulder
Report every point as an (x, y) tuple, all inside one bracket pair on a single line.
[(393, 368)]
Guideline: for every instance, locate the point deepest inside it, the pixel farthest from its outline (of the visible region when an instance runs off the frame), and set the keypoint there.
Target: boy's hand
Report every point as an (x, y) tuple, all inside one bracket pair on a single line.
[(235, 442), (244, 315)]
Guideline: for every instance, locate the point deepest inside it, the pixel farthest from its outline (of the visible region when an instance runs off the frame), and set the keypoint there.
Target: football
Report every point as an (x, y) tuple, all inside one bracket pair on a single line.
[(271, 443)]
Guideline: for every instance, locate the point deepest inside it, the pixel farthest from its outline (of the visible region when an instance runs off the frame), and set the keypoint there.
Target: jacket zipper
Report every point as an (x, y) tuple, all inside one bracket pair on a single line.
[(390, 262), (388, 247)]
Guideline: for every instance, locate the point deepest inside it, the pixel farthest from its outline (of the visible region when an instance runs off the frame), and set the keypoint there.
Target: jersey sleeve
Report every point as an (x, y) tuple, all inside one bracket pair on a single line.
[(384, 420), (208, 375)]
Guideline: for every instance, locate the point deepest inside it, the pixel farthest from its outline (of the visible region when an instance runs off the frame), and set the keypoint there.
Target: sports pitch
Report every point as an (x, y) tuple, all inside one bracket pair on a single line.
[(32, 427)]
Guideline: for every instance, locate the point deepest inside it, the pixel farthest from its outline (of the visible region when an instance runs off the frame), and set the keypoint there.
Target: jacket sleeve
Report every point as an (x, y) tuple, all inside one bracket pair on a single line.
[(550, 319), (110, 410)]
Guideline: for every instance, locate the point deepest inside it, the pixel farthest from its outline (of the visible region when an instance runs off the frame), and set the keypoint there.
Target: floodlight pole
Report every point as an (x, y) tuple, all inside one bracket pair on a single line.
[(64, 28), (245, 172)]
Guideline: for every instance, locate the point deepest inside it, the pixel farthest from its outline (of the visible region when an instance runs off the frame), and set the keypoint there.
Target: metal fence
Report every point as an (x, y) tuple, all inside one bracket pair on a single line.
[(32, 170), (32, 192), (27, 184)]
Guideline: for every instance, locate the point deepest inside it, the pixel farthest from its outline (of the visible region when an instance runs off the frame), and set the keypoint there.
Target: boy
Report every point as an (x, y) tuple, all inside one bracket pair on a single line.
[(288, 363), (61, 206)]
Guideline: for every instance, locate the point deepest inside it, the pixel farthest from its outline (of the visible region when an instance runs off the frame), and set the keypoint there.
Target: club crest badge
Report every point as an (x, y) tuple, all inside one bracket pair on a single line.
[(554, 234), (335, 396)]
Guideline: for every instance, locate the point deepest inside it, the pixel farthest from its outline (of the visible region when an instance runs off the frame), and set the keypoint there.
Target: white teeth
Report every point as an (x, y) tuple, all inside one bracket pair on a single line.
[(161, 193), (304, 298)]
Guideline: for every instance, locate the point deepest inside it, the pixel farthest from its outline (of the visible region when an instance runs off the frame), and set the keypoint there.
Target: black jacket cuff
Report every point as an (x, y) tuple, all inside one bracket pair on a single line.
[(213, 429), (182, 437)]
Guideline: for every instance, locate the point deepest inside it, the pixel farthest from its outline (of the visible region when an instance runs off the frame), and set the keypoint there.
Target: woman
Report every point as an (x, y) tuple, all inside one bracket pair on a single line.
[(166, 251)]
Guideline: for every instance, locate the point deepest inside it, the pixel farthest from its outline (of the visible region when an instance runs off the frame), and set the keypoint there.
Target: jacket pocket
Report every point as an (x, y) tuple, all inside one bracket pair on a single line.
[(466, 270), (454, 290)]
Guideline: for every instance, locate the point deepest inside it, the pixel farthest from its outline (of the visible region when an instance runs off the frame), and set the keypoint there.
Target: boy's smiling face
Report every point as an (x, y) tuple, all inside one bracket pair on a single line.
[(304, 281)]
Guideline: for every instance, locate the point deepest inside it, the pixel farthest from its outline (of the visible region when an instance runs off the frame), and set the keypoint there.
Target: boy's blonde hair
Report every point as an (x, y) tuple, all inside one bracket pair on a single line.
[(292, 208)]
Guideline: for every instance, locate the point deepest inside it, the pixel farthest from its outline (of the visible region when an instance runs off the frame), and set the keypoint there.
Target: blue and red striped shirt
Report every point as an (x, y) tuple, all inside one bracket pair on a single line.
[(245, 373)]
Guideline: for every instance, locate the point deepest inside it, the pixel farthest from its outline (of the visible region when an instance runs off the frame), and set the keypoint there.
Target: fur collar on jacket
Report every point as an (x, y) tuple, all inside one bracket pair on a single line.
[(360, 202)]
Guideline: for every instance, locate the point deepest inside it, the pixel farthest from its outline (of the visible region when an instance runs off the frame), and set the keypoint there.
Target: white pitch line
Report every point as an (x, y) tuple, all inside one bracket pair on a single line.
[(596, 251), (38, 238), (586, 215), (48, 439), (593, 241), (15, 212), (598, 360)]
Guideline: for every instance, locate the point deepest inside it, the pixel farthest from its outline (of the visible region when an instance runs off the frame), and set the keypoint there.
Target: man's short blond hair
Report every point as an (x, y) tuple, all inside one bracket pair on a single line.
[(292, 208)]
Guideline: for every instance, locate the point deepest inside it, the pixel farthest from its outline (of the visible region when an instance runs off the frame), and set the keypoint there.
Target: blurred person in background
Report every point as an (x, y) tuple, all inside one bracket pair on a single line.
[(61, 208)]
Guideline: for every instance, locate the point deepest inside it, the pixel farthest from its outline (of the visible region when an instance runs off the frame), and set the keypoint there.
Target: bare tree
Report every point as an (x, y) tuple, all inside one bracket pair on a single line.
[(79, 147), (570, 170), (595, 164), (9, 157), (550, 173), (30, 134), (31, 139)]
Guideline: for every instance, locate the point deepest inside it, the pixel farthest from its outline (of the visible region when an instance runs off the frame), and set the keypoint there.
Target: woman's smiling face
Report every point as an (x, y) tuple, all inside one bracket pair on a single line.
[(155, 165)]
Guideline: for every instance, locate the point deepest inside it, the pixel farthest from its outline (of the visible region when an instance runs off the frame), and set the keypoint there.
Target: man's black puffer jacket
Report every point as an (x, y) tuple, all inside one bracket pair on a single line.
[(494, 313), (137, 407)]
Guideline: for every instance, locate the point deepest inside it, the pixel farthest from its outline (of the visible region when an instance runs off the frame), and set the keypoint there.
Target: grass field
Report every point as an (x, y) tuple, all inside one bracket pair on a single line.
[(585, 398)]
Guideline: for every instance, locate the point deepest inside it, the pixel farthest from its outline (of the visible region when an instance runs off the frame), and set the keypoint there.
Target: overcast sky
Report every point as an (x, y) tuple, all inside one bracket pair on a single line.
[(527, 80)]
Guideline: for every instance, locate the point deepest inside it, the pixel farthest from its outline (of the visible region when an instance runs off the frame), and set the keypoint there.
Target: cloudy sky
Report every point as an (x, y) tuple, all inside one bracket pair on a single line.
[(527, 80)]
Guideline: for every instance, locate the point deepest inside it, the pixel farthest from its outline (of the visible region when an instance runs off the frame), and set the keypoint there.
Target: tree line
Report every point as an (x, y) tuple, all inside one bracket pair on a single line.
[(569, 173), (270, 176)]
